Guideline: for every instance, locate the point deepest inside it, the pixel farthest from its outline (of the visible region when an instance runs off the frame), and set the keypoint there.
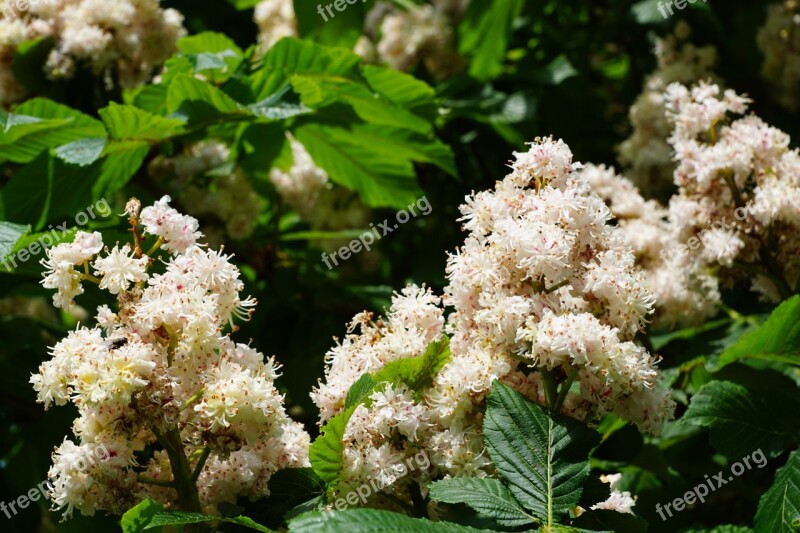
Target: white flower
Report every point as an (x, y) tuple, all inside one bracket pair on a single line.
[(178, 231), (621, 502), (60, 273), (120, 268)]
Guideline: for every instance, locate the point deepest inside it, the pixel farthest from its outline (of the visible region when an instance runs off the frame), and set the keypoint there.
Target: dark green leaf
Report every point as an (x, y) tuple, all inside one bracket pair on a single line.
[(742, 419), (778, 339), (370, 521), (487, 496), (779, 508), (543, 458)]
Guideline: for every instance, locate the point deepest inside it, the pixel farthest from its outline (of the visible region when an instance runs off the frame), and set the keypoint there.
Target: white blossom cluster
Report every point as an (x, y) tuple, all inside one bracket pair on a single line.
[(543, 289), (424, 34), (779, 39), (123, 41), (739, 189), (275, 20), (619, 501), (646, 155), (207, 189), (160, 372), (685, 288)]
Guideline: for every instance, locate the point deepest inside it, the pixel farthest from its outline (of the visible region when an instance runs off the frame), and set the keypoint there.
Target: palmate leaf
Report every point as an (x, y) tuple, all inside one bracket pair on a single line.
[(487, 496), (778, 339), (370, 521), (743, 419), (381, 181), (543, 458), (779, 508), (484, 35)]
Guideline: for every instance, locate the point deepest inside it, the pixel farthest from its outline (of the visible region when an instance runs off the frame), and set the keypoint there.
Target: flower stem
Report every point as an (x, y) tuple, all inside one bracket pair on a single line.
[(157, 482), (188, 496), (200, 464), (562, 394), (550, 388)]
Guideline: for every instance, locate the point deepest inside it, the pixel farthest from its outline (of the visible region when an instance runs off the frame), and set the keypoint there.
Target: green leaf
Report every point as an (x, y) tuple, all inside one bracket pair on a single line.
[(370, 521), (543, 458), (199, 101), (556, 71), (10, 235), (484, 34), (320, 90), (779, 508), (325, 452), (381, 181), (244, 4), (57, 125), (397, 143), (137, 518), (293, 57), (129, 122), (399, 87), (278, 106), (208, 41), (487, 496), (742, 419), (83, 151), (211, 51), (417, 373), (778, 339), (359, 390), (150, 515), (293, 491), (123, 161)]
